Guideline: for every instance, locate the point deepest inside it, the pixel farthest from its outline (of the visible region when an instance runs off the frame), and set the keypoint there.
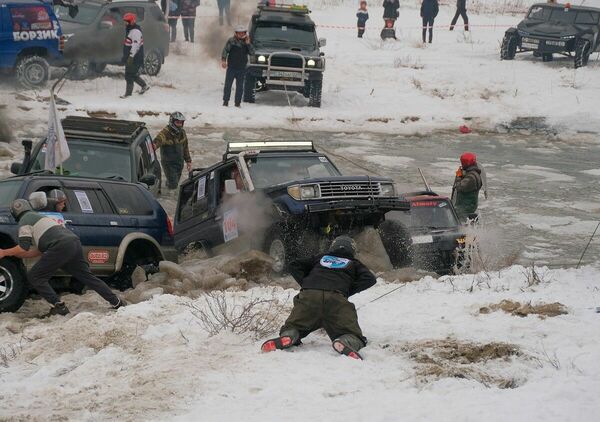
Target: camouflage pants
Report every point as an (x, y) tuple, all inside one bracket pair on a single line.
[(314, 309), (172, 171)]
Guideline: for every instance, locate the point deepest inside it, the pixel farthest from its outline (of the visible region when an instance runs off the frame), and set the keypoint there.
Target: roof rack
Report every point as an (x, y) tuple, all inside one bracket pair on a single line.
[(271, 146), (281, 7), (105, 129)]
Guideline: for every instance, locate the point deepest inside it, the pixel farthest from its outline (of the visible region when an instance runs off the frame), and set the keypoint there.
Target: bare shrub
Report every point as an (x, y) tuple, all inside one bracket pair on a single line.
[(416, 83), (534, 276), (255, 317), (10, 352), (408, 62)]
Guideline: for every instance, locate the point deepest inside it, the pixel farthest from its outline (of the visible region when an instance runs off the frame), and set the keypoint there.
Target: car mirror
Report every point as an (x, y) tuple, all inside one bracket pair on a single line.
[(15, 168), (106, 25), (148, 179), (322, 42), (230, 187)]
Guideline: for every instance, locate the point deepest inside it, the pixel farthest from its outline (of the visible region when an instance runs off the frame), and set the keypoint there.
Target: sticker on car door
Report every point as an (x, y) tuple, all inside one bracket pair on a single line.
[(84, 202), (230, 226)]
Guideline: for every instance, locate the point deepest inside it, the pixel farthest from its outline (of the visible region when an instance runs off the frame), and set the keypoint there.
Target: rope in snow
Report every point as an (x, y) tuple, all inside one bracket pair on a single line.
[(588, 244)]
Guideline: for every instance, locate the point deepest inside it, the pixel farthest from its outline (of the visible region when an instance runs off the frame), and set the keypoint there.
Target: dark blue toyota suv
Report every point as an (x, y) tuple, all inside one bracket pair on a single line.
[(120, 226)]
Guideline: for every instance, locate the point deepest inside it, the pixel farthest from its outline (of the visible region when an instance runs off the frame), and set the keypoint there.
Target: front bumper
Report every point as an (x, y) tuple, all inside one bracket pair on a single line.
[(366, 205), (546, 45), (289, 76), (435, 252)]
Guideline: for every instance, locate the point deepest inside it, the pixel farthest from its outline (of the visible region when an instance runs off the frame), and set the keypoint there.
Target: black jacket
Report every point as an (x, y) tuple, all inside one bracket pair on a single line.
[(390, 9), (330, 272), (429, 8), (461, 4), (236, 53)]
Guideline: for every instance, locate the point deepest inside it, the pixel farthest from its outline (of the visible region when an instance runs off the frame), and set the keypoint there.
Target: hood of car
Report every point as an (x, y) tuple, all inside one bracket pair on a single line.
[(551, 29), (265, 48)]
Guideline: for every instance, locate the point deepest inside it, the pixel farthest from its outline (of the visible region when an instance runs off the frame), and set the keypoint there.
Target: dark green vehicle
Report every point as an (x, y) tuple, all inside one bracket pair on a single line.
[(288, 55), (550, 29)]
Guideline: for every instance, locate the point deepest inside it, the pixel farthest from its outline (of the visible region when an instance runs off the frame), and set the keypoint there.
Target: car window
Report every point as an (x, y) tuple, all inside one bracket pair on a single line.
[(87, 201), (85, 13), (157, 13), (138, 11), (194, 199), (227, 172), (539, 13), (284, 33), (30, 18), (269, 171), (563, 15), (432, 214), (587, 17), (128, 199), (186, 198), (8, 191)]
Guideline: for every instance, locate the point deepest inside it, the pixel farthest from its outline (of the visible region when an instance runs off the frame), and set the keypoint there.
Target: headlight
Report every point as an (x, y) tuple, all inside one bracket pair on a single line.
[(387, 189), (262, 59), (311, 63), (301, 192), (567, 37)]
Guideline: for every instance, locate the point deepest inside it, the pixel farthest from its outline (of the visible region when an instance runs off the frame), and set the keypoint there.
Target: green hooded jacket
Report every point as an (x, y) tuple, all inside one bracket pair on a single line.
[(466, 191)]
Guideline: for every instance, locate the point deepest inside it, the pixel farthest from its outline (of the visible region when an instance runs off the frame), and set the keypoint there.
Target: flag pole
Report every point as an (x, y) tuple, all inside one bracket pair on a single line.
[(53, 94)]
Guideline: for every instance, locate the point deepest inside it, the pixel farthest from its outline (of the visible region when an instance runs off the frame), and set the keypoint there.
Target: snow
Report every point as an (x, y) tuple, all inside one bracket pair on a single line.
[(154, 358)]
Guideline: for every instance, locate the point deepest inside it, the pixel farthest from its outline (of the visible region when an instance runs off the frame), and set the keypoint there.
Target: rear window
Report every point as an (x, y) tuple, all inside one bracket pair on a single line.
[(30, 18), (128, 199), (9, 191), (84, 13)]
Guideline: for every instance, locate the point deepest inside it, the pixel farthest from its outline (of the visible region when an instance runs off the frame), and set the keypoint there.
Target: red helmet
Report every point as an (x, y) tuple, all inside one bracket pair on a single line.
[(130, 18), (468, 159)]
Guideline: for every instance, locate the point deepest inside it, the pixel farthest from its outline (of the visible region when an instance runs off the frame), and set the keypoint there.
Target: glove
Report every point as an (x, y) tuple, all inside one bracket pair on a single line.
[(129, 61), (459, 172)]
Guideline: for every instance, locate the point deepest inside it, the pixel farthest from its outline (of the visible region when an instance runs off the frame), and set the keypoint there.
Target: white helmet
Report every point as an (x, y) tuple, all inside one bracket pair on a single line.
[(240, 28)]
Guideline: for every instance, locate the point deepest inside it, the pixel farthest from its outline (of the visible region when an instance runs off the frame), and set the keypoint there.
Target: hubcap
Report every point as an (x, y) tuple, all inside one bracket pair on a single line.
[(6, 284), (277, 252), (35, 74)]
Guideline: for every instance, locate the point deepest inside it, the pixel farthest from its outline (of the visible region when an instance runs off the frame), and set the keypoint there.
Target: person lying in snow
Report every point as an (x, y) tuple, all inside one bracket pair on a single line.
[(327, 280)]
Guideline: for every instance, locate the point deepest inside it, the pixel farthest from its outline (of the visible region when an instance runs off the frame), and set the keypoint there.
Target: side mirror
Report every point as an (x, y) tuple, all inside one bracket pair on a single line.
[(230, 187), (15, 168), (148, 179), (322, 42), (106, 25)]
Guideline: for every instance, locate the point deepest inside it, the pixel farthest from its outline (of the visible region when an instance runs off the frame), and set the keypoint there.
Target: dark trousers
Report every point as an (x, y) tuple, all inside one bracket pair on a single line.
[(463, 13), (238, 75), (173, 170), (68, 256), (314, 309), (173, 25), (132, 74), (428, 23), (188, 28), (361, 31), (224, 8)]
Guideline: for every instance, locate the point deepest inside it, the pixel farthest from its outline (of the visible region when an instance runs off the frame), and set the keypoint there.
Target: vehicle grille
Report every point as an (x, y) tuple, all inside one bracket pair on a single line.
[(349, 189), (284, 61)]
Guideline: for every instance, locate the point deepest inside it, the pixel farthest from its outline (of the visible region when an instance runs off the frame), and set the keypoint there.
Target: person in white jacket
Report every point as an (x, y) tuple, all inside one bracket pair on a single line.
[(133, 55)]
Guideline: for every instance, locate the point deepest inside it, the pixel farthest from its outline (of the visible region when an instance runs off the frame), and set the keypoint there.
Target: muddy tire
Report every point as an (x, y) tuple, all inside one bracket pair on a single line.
[(508, 50), (33, 71), (13, 286), (316, 88), (306, 89), (153, 63), (80, 70), (278, 249), (582, 53), (250, 89), (98, 68), (396, 241)]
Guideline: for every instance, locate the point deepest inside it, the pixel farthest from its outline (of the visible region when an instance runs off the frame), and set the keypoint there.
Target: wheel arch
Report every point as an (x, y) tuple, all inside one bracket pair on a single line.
[(144, 242)]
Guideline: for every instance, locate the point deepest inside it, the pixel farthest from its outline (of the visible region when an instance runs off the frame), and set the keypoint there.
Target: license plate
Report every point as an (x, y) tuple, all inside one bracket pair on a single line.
[(531, 41), (417, 240), (281, 74), (529, 45), (555, 43)]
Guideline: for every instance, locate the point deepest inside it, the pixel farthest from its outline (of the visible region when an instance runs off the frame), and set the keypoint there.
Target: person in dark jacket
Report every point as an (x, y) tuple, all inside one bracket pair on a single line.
[(133, 55), (362, 17), (468, 182), (224, 9), (326, 282), (188, 18), (461, 10), (174, 14), (174, 149), (390, 9), (429, 10), (235, 59), (58, 248)]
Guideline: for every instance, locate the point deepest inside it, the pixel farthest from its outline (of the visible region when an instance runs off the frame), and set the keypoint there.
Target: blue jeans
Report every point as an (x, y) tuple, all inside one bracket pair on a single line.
[(238, 75)]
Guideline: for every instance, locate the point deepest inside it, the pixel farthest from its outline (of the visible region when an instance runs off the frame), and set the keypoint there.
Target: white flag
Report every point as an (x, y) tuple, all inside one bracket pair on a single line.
[(57, 149)]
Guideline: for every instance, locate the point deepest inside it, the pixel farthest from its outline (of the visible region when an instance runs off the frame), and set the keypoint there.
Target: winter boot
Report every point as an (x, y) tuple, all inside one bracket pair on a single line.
[(119, 304), (225, 103), (348, 345), (144, 89), (286, 340), (59, 308)]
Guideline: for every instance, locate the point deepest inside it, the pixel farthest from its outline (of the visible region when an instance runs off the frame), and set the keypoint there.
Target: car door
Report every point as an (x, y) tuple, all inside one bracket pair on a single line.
[(6, 38), (148, 164)]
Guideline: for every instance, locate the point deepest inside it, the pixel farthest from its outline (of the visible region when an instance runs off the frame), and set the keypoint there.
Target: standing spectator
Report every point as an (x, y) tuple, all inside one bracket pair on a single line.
[(390, 9), (188, 18), (429, 10), (363, 17), (133, 55), (467, 184), (174, 149), (174, 13), (235, 58), (224, 8), (461, 10)]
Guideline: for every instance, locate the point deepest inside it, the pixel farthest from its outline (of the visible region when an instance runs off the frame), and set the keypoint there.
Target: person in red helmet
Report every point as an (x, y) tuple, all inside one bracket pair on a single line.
[(133, 55), (467, 184)]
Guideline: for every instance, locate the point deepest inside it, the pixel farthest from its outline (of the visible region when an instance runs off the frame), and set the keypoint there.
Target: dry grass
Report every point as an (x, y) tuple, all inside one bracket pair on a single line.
[(542, 310), (102, 114), (408, 62)]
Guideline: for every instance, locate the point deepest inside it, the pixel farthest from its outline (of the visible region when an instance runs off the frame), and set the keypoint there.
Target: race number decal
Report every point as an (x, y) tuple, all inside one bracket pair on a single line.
[(201, 188), (98, 256), (230, 227), (334, 262), (56, 216), (84, 202)]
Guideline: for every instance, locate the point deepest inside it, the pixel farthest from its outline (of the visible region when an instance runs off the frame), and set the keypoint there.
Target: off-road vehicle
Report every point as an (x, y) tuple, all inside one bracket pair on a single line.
[(120, 226), (95, 31), (550, 29), (104, 148), (288, 55), (284, 198)]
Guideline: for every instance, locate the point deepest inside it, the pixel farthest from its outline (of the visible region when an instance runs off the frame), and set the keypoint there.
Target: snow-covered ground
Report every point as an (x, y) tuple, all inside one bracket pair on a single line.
[(431, 356)]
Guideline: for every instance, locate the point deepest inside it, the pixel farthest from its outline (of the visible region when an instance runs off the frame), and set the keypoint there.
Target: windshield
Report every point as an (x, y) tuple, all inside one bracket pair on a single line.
[(274, 32), (270, 171), (8, 191), (429, 214), (568, 16), (89, 159), (540, 13), (84, 13)]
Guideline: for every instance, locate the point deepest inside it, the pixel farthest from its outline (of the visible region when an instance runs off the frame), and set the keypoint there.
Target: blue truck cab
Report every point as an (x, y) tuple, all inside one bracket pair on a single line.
[(31, 40)]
